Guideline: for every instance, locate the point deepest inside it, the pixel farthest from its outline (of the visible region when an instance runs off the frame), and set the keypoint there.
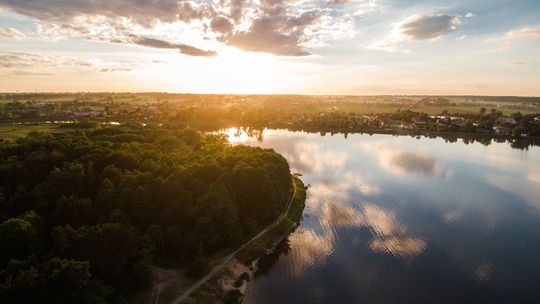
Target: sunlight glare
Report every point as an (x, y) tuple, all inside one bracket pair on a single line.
[(236, 135)]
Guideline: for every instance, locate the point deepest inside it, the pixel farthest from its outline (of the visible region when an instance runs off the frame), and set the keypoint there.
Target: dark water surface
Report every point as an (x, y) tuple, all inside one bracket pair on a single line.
[(403, 220)]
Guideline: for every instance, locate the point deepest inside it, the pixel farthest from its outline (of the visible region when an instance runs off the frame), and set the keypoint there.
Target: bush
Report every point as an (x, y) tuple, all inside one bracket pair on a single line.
[(233, 297)]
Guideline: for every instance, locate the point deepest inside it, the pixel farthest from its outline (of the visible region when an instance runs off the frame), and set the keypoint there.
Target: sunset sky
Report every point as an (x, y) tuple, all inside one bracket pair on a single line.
[(482, 47)]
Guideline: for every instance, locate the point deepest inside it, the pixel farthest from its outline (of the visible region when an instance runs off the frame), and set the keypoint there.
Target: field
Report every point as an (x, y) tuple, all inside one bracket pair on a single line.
[(14, 131)]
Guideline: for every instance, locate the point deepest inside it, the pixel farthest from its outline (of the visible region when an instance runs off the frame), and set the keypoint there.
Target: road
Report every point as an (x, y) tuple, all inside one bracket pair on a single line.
[(226, 259)]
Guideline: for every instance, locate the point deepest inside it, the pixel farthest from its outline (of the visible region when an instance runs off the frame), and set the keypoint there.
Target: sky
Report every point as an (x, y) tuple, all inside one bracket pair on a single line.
[(341, 47)]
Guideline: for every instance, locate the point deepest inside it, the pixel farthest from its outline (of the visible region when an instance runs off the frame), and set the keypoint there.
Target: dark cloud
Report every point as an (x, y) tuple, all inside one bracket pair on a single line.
[(339, 1), (275, 26), (161, 44), (275, 31), (424, 27), (268, 42), (236, 8), (144, 12), (221, 25)]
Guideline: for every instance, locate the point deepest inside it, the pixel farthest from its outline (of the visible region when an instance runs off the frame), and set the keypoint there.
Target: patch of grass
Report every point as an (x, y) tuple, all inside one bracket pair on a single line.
[(14, 131)]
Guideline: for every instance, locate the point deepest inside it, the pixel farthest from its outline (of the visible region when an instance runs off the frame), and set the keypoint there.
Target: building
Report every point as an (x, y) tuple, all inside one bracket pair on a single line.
[(501, 131)]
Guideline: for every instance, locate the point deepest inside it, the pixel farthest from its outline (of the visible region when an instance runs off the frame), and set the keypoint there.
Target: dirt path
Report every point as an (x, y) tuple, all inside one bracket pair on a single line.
[(226, 259)]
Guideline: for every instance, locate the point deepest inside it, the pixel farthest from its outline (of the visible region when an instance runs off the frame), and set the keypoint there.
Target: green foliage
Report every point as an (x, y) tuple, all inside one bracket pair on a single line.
[(240, 281), (96, 207), (233, 297), (54, 281), (18, 239)]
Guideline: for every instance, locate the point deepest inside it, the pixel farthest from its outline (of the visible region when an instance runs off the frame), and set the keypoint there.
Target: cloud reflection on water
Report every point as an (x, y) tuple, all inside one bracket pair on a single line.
[(529, 191), (309, 249), (402, 162), (389, 235)]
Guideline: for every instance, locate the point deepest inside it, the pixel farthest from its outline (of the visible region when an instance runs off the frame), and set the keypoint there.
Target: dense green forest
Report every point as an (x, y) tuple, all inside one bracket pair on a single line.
[(85, 214)]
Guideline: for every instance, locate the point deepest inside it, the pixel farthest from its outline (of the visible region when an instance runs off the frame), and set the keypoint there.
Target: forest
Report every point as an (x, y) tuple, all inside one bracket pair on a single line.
[(85, 214)]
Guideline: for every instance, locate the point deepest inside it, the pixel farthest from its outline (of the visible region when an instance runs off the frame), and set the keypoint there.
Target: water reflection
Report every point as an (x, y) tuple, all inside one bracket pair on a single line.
[(529, 191), (398, 219), (265, 264), (402, 162), (389, 235), (310, 249), (411, 162)]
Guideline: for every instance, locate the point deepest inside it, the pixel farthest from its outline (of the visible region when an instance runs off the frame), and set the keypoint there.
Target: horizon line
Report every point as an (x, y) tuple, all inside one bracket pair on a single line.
[(260, 94)]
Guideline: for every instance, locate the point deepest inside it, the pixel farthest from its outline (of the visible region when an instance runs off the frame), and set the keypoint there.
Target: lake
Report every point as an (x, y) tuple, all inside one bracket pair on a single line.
[(393, 219)]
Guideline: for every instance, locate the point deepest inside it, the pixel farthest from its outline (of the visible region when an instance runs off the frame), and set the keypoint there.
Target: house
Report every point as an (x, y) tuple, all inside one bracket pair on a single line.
[(501, 131), (87, 113), (507, 121)]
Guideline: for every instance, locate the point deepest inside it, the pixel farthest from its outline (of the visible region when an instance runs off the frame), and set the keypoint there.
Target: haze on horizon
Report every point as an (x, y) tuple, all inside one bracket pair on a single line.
[(357, 47)]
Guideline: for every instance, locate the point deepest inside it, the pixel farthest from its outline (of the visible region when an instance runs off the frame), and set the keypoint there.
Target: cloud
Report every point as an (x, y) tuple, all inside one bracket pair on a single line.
[(519, 34), (161, 44), (285, 27), (11, 33), (508, 38), (22, 60), (426, 27), (31, 64), (236, 9), (275, 30), (221, 25), (143, 12), (523, 33), (113, 21), (513, 62), (429, 27), (27, 73), (111, 70)]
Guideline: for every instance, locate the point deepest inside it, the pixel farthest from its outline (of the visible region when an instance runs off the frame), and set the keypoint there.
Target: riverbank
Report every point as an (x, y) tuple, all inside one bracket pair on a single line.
[(229, 285)]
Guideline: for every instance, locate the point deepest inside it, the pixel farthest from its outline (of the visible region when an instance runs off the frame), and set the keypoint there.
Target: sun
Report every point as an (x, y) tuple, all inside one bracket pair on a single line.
[(236, 71), (231, 72)]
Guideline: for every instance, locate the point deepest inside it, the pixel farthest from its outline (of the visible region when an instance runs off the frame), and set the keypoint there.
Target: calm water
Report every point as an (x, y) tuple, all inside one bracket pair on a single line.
[(404, 220)]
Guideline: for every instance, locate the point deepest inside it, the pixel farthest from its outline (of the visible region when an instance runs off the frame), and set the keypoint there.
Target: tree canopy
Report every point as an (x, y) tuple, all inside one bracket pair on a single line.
[(83, 215)]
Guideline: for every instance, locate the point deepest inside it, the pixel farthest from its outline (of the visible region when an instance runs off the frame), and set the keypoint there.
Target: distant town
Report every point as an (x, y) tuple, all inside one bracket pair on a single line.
[(500, 117)]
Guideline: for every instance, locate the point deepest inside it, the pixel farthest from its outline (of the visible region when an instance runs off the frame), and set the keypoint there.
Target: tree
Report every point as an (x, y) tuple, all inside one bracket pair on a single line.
[(518, 131), (96, 204), (18, 239), (69, 281), (3, 206), (483, 111)]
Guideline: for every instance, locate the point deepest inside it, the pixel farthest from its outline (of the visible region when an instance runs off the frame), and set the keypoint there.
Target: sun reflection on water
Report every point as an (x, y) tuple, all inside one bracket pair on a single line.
[(236, 135)]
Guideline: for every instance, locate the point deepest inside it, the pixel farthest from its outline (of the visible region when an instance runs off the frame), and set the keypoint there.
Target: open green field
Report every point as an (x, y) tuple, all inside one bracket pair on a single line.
[(14, 131)]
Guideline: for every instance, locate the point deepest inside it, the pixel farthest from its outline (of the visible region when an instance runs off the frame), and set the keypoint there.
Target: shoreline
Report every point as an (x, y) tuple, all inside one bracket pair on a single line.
[(230, 284)]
